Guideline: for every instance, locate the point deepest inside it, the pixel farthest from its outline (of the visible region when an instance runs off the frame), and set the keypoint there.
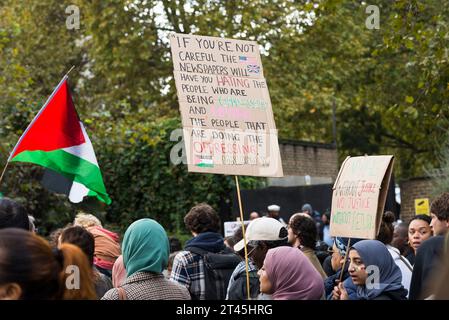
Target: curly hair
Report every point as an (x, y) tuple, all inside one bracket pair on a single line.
[(202, 218), (81, 238), (440, 207), (305, 228), (86, 220)]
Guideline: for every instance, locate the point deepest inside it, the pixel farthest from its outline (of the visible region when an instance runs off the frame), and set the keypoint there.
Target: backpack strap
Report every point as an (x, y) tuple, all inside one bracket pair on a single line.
[(202, 252), (197, 250), (122, 294), (405, 261)]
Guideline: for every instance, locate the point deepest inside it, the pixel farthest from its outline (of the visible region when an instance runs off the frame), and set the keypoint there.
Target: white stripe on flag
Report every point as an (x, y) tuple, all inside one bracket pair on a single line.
[(84, 151), (78, 192)]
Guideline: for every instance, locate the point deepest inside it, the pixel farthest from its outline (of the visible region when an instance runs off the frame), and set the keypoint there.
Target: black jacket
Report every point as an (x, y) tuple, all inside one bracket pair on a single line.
[(400, 294), (428, 257)]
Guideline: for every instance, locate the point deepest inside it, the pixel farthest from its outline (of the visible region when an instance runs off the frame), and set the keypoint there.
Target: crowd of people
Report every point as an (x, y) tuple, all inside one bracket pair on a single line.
[(297, 260)]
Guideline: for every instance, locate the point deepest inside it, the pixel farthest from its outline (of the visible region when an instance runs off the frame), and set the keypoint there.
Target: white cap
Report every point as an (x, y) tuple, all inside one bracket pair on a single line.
[(274, 207), (266, 229)]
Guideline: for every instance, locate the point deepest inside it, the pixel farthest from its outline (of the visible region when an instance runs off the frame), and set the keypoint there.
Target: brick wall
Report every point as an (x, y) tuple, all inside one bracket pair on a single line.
[(305, 158), (413, 189)]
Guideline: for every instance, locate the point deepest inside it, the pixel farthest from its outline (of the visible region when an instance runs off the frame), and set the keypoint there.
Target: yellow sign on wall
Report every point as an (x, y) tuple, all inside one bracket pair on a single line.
[(422, 206)]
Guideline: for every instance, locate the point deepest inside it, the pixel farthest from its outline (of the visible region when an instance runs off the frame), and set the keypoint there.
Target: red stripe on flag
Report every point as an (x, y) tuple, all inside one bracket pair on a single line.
[(56, 127)]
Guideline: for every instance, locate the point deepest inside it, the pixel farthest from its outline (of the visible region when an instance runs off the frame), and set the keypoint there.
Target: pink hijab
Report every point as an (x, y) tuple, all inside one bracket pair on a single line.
[(292, 276), (118, 272)]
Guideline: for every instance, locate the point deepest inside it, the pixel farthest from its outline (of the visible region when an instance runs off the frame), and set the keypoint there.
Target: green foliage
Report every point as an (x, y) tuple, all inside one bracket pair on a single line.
[(154, 186), (440, 174), (390, 88)]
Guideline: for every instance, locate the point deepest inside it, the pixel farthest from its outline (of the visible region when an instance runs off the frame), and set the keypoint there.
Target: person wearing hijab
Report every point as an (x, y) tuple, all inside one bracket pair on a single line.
[(145, 255), (385, 236), (287, 274), (370, 260), (338, 252), (118, 272), (428, 257)]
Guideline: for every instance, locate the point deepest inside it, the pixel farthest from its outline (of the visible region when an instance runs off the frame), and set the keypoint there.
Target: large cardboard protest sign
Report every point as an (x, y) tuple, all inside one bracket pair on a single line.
[(227, 118), (359, 195)]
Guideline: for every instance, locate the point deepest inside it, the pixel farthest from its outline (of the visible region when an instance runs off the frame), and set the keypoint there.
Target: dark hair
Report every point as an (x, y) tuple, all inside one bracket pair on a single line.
[(28, 260), (386, 229), (53, 238), (275, 243), (423, 217), (175, 244), (238, 233), (81, 238), (237, 237), (230, 241), (305, 228), (171, 259), (440, 207), (283, 233), (13, 215), (202, 218)]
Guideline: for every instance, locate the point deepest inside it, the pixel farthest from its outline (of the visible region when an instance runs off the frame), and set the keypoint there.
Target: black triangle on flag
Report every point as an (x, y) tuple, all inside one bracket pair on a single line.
[(56, 182)]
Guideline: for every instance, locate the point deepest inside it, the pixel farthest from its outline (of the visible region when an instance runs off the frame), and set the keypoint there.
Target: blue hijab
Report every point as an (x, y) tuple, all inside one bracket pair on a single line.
[(375, 253)]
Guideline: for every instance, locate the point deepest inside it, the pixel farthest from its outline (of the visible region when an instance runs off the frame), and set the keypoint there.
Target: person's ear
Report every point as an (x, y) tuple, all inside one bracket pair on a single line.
[(10, 291)]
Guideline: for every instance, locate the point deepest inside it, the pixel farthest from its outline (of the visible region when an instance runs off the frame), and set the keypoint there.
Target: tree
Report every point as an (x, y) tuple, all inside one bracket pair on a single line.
[(389, 86)]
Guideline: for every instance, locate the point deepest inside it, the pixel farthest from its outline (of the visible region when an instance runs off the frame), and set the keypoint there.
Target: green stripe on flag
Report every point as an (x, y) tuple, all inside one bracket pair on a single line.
[(70, 166), (205, 165)]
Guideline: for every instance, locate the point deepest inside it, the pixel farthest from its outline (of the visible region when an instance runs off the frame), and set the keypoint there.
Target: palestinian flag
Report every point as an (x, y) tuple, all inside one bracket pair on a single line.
[(57, 140)]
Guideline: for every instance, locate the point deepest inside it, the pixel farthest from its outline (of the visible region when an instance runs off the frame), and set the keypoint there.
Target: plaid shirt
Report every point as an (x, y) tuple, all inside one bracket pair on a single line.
[(188, 270), (149, 286)]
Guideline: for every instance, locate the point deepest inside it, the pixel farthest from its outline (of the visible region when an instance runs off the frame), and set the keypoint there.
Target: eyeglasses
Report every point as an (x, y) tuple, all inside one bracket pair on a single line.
[(251, 251)]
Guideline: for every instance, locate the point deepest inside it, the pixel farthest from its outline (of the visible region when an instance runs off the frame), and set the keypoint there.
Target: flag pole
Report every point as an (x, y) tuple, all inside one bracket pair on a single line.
[(344, 261), (73, 67), (35, 118), (3, 172), (244, 237)]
